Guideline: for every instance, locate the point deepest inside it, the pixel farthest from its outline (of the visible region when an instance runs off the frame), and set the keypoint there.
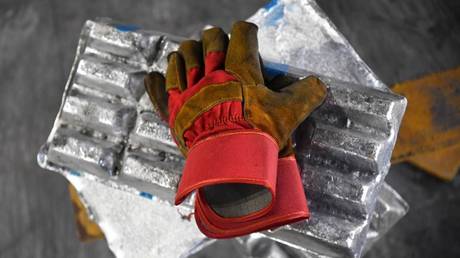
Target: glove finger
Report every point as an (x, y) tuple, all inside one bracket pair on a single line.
[(215, 43), (154, 83), (277, 82), (192, 52), (302, 98), (175, 73), (243, 53)]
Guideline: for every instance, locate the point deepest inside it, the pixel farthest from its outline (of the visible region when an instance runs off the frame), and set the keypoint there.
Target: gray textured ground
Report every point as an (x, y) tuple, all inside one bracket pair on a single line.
[(399, 39)]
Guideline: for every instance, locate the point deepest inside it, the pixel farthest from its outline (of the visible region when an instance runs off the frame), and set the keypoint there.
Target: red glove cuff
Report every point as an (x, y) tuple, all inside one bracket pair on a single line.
[(290, 206), (240, 156)]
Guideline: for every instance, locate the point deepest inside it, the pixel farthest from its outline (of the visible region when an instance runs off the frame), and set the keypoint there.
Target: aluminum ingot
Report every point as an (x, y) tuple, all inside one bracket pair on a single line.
[(343, 148), (111, 77), (71, 149), (98, 113), (123, 40)]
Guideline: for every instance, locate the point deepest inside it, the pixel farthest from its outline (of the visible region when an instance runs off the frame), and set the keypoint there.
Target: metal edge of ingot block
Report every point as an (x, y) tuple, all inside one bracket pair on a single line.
[(389, 209), (166, 183)]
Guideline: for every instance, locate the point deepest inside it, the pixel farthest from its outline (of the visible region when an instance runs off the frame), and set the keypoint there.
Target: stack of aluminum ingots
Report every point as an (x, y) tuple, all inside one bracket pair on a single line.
[(110, 143)]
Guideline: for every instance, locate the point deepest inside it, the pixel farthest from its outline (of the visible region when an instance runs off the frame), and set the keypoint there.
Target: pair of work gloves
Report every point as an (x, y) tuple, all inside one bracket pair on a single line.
[(235, 132)]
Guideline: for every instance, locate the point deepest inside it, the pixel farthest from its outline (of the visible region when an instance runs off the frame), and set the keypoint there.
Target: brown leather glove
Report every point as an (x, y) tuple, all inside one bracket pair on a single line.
[(231, 127)]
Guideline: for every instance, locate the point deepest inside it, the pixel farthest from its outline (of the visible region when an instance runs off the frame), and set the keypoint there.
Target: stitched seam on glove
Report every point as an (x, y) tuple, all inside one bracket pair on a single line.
[(183, 101), (227, 119), (180, 134), (195, 134), (181, 127)]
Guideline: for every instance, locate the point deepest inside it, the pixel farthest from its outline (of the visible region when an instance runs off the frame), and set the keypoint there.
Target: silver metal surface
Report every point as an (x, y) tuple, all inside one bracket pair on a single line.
[(390, 207), (343, 149), (298, 33), (139, 227)]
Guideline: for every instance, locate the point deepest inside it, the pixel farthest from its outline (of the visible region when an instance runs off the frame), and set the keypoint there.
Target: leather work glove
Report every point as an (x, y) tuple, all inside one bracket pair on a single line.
[(230, 127)]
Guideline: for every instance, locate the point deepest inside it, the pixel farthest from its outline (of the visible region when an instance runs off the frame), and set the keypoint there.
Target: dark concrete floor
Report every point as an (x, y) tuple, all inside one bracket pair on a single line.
[(400, 40)]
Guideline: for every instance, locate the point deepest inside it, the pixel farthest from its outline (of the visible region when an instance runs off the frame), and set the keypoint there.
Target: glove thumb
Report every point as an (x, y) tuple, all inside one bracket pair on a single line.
[(280, 112), (154, 83), (302, 97)]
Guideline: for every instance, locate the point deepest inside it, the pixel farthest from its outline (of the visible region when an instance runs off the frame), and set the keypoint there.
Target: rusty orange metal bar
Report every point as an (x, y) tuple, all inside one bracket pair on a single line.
[(429, 136), (88, 230), (443, 163)]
